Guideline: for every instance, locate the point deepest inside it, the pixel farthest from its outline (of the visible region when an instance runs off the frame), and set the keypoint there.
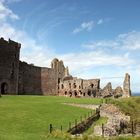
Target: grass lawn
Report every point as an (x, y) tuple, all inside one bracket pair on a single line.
[(28, 117)]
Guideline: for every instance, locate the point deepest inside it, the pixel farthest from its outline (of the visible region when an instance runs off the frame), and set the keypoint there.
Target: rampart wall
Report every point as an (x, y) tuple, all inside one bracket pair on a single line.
[(36, 80)]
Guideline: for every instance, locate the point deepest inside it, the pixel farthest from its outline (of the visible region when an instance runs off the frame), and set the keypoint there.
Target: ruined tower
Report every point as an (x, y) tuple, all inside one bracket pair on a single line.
[(67, 71), (126, 86), (59, 68), (9, 66)]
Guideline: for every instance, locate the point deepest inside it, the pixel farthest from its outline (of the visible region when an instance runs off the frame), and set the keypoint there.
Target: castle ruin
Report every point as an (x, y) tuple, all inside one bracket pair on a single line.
[(20, 78)]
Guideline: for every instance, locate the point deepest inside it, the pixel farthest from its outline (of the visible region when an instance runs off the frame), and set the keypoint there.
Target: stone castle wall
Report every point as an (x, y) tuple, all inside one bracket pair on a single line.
[(29, 79), (18, 77), (48, 81), (36, 80), (9, 66)]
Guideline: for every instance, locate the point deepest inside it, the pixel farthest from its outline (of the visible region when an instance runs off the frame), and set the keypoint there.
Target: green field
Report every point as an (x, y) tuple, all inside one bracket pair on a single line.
[(28, 117)]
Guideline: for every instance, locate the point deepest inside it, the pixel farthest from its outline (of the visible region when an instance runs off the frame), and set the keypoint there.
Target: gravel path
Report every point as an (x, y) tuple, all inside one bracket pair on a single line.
[(88, 106)]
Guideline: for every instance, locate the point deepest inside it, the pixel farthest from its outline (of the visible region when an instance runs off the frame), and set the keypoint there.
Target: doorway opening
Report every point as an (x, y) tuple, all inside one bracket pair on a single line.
[(4, 88)]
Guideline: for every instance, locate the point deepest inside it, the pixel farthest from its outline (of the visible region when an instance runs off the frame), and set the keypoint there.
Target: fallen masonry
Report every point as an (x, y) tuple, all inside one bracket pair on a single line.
[(116, 120)]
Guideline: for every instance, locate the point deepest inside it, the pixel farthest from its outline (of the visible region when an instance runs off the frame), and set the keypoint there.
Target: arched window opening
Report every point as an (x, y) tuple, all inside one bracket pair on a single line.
[(70, 94), (74, 85), (89, 93), (92, 85), (65, 92), (69, 85), (58, 80), (75, 93), (62, 86)]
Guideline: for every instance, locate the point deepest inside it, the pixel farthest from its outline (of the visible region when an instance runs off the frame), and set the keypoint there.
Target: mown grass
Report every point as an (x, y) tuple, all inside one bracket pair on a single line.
[(28, 117)]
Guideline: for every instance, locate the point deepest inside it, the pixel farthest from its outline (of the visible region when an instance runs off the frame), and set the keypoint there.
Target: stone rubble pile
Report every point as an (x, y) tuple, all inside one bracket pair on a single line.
[(115, 119)]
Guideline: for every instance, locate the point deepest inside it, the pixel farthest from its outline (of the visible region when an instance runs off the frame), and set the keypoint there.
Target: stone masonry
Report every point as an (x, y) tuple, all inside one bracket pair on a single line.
[(74, 87), (107, 90), (17, 77), (126, 86), (9, 66)]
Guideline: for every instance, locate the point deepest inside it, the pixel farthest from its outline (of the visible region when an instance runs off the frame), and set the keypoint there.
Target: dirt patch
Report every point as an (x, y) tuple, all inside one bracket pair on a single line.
[(88, 106)]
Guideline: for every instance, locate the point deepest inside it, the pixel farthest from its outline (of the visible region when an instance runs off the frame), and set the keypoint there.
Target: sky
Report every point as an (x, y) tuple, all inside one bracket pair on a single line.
[(94, 38)]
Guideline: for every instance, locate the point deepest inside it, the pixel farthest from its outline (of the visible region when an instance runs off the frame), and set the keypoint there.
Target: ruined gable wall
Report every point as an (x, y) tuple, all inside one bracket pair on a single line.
[(78, 87), (9, 65), (91, 82), (70, 85), (91, 87), (107, 90)]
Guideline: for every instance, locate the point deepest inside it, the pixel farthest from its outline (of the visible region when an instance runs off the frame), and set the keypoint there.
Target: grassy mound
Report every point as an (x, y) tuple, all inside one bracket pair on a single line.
[(131, 106)]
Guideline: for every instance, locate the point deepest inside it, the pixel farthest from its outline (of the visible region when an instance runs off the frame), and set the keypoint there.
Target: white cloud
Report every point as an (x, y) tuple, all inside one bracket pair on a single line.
[(100, 21), (88, 26), (85, 26), (91, 59), (5, 13), (101, 43), (128, 41)]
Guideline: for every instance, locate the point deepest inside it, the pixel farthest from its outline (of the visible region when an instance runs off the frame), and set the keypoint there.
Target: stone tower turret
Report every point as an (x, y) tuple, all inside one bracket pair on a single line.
[(67, 71), (126, 86), (59, 70), (9, 66)]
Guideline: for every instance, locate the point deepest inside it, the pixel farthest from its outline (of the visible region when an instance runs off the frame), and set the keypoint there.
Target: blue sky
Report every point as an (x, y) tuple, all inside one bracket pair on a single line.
[(95, 38)]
